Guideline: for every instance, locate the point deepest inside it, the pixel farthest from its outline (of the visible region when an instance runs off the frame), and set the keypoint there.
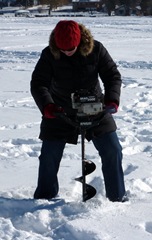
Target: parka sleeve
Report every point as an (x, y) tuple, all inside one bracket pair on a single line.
[(41, 81), (110, 76)]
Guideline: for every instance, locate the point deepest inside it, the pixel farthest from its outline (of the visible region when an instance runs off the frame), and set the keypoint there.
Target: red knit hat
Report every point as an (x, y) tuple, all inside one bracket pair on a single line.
[(67, 34)]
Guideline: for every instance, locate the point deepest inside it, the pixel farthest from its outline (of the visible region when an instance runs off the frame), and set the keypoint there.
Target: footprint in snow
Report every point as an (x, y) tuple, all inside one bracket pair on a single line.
[(130, 168), (148, 227)]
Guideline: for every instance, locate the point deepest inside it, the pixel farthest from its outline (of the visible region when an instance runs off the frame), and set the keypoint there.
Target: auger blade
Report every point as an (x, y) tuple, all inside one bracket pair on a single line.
[(89, 193), (88, 190), (89, 167)]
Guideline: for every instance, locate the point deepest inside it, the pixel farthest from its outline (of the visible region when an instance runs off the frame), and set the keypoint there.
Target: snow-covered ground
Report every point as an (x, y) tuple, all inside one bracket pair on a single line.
[(129, 41)]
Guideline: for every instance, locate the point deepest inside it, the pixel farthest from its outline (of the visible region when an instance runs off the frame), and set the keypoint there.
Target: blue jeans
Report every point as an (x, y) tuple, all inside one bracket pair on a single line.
[(110, 152)]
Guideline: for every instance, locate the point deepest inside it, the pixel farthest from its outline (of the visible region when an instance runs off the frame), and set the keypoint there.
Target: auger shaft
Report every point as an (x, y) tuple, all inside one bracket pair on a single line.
[(83, 165)]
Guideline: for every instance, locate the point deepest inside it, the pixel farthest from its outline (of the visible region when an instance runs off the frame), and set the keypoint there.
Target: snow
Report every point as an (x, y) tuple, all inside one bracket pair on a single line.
[(129, 41)]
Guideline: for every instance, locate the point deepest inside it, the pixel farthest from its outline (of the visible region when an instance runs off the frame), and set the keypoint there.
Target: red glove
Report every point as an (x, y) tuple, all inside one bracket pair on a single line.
[(51, 109), (111, 107)]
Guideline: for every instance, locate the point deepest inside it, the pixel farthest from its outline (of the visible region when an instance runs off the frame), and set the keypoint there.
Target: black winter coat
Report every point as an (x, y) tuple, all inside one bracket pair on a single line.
[(56, 76)]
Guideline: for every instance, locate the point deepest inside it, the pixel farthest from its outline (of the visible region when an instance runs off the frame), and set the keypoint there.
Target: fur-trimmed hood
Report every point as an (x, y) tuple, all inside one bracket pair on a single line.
[(85, 47)]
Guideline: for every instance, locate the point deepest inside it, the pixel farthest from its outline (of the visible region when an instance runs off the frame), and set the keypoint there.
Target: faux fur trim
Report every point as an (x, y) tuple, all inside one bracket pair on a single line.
[(85, 47)]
